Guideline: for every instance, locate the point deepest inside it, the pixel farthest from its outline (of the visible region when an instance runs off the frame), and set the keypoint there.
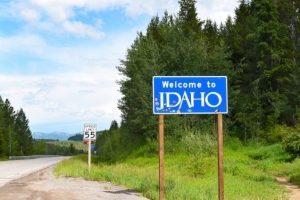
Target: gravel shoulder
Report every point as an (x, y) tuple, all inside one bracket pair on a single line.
[(43, 185), (14, 169)]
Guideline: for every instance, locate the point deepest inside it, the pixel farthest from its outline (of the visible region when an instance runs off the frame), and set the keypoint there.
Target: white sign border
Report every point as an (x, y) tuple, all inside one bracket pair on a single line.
[(94, 125), (187, 113)]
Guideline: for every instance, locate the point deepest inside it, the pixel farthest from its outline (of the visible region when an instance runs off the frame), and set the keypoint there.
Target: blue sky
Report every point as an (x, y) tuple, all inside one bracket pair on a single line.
[(58, 58)]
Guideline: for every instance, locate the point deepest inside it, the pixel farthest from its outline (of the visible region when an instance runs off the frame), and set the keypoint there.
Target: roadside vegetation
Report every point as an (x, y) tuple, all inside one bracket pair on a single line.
[(258, 50), (64, 148), (78, 145), (191, 167)]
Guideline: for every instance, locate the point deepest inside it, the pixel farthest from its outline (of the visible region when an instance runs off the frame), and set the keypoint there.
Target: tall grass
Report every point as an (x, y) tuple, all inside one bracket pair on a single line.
[(191, 169), (77, 144)]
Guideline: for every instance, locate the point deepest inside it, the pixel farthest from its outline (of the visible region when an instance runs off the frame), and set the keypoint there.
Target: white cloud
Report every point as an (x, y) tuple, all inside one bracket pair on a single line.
[(217, 10), (64, 9), (70, 57), (53, 16), (61, 15), (30, 15), (26, 43), (150, 7), (82, 30), (84, 88), (81, 96)]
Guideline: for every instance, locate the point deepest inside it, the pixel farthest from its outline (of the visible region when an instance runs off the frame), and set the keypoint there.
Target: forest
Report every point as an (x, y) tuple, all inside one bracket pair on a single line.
[(258, 50), (16, 137), (15, 134)]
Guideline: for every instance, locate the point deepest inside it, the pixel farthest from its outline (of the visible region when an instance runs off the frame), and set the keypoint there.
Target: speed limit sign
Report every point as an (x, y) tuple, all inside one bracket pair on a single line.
[(90, 132), (89, 135)]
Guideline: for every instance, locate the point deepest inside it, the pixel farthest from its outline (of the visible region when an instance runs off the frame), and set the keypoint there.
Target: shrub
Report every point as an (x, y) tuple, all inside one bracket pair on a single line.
[(273, 152), (118, 144), (233, 143), (295, 179), (278, 133), (291, 143), (199, 143)]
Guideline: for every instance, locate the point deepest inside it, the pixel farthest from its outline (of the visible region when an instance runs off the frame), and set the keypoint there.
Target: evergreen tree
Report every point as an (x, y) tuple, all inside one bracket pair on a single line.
[(188, 16), (258, 50), (23, 133), (170, 47), (262, 53), (3, 139), (114, 125), (15, 135), (289, 15), (8, 140), (238, 32), (211, 33)]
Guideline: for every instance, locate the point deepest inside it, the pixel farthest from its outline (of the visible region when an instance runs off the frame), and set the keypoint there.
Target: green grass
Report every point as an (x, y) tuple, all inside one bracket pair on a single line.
[(291, 170), (249, 172), (3, 158)]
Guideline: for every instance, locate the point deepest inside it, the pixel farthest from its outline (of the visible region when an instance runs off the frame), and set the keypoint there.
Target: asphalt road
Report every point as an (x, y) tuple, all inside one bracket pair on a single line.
[(14, 169), (34, 180)]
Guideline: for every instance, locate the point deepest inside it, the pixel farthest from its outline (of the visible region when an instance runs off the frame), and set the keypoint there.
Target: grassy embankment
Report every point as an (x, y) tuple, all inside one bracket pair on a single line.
[(191, 171), (65, 148), (77, 145)]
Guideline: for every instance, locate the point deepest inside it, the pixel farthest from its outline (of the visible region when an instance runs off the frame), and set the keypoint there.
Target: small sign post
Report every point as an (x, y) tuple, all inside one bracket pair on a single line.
[(89, 134), (175, 95)]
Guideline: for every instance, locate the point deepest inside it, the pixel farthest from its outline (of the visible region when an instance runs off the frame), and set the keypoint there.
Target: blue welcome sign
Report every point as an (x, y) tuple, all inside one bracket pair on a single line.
[(190, 95)]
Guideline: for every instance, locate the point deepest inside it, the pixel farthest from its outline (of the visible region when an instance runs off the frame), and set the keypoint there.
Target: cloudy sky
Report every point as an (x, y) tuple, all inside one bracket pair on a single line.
[(58, 57)]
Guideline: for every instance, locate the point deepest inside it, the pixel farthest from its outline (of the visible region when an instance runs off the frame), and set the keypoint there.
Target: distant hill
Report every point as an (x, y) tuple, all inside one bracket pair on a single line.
[(77, 137), (62, 136)]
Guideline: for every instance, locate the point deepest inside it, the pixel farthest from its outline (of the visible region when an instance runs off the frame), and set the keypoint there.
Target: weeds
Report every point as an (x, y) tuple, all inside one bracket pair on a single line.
[(191, 170)]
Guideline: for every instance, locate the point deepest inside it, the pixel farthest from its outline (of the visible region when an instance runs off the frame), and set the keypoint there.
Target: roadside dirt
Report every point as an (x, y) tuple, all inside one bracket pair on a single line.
[(43, 185), (293, 189)]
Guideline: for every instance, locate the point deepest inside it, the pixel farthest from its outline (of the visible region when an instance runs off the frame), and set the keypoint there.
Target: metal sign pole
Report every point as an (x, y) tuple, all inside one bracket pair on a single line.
[(220, 158), (161, 157), (90, 155)]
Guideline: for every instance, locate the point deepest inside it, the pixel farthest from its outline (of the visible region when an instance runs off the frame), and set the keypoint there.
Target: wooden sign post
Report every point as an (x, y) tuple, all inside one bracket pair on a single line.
[(220, 158), (178, 95), (161, 157)]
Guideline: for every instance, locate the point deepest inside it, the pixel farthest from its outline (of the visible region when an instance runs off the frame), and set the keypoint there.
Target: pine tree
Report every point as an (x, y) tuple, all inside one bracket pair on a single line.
[(265, 64), (15, 135), (139, 68), (114, 125), (289, 15), (188, 16), (169, 47), (3, 141), (211, 33), (8, 133), (237, 33), (23, 133)]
